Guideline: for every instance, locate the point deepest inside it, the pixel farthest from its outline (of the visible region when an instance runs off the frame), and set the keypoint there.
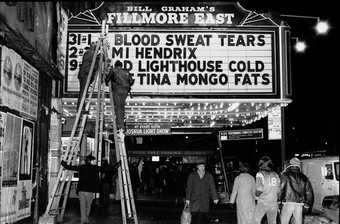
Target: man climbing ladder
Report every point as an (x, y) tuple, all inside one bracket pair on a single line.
[(121, 82)]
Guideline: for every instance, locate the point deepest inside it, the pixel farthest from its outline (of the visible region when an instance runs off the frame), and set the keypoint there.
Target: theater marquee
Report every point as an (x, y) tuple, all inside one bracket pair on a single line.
[(211, 49)]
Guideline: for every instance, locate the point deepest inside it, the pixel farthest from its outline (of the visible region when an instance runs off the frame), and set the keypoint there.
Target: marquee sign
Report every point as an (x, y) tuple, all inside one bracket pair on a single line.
[(177, 54), (188, 62)]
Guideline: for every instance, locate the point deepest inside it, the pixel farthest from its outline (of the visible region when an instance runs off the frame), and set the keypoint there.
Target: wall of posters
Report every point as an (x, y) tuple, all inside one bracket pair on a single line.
[(19, 83)]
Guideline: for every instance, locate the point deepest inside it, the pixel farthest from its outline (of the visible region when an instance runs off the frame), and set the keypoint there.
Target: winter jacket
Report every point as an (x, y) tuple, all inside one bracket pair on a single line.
[(120, 78), (295, 187), (244, 195), (268, 183), (86, 63), (89, 175), (200, 191)]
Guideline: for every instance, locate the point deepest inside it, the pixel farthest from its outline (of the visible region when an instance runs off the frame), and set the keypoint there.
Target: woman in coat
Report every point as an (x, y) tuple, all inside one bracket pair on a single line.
[(200, 189), (244, 194)]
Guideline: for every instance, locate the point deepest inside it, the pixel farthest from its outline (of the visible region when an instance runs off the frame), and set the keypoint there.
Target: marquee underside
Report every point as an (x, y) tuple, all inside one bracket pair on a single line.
[(184, 113)]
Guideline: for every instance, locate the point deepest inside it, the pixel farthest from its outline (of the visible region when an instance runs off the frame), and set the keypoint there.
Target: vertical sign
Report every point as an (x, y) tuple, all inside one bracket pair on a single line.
[(274, 124), (62, 20), (55, 145), (2, 132)]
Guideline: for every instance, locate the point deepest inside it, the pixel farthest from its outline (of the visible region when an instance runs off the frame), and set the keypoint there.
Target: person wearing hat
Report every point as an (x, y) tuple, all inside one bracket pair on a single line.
[(88, 183), (244, 194), (296, 193), (200, 189), (267, 191)]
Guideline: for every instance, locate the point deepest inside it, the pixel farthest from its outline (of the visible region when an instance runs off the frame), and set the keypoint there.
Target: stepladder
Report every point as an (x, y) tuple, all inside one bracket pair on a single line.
[(58, 199)]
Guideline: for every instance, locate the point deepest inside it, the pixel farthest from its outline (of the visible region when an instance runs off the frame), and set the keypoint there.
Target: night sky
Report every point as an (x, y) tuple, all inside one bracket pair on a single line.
[(312, 118)]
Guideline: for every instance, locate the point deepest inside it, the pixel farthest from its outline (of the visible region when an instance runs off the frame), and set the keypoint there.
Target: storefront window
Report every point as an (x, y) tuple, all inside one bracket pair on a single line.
[(329, 173), (336, 167)]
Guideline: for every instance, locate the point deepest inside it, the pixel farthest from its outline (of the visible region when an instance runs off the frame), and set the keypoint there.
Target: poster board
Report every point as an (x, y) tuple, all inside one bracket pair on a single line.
[(19, 83), (10, 168), (16, 152)]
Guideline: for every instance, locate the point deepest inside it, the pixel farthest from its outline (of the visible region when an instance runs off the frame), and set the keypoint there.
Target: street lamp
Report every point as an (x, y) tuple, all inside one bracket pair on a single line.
[(300, 46), (321, 27)]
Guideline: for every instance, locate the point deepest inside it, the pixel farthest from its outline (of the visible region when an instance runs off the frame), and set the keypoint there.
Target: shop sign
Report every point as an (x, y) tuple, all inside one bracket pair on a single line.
[(19, 83), (183, 62), (274, 124), (242, 134), (148, 129)]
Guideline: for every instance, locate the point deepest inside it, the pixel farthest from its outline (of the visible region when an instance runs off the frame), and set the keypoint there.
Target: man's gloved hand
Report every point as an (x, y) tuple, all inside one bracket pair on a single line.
[(215, 201)]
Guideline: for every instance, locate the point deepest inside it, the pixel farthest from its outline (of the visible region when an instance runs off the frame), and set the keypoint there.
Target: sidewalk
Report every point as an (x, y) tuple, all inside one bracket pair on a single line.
[(149, 212)]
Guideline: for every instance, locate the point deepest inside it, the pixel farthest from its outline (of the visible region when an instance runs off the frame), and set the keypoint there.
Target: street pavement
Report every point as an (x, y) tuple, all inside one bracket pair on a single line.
[(148, 212)]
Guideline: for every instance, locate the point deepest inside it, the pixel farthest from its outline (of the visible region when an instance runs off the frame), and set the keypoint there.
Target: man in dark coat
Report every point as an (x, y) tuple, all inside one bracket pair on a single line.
[(121, 83), (85, 68), (88, 183), (296, 193), (200, 189)]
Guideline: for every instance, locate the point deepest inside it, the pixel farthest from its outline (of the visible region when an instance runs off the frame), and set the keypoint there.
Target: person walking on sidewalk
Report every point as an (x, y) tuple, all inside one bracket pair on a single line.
[(88, 184), (200, 189), (244, 194), (267, 191), (296, 193)]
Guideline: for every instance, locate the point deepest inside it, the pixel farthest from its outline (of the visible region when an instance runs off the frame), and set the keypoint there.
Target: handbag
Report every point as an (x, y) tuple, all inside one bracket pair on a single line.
[(186, 215)]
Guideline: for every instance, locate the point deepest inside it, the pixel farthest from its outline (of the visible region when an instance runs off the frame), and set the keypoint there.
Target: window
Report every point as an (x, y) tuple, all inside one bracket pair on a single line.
[(336, 167), (329, 172)]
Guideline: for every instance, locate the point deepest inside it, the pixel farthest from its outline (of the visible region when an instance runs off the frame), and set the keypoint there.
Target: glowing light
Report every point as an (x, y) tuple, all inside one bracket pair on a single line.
[(300, 46), (322, 27)]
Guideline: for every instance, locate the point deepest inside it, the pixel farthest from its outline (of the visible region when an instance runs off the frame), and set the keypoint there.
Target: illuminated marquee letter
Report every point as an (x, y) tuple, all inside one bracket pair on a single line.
[(110, 17)]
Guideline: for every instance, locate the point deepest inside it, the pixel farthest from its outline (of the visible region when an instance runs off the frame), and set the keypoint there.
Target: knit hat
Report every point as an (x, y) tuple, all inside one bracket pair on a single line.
[(295, 162)]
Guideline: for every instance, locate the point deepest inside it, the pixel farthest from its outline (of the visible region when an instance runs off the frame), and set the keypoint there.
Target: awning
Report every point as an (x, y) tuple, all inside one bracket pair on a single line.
[(185, 113), (18, 43)]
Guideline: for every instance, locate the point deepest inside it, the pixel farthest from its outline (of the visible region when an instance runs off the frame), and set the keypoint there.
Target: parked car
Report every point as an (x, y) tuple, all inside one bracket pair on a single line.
[(323, 173)]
